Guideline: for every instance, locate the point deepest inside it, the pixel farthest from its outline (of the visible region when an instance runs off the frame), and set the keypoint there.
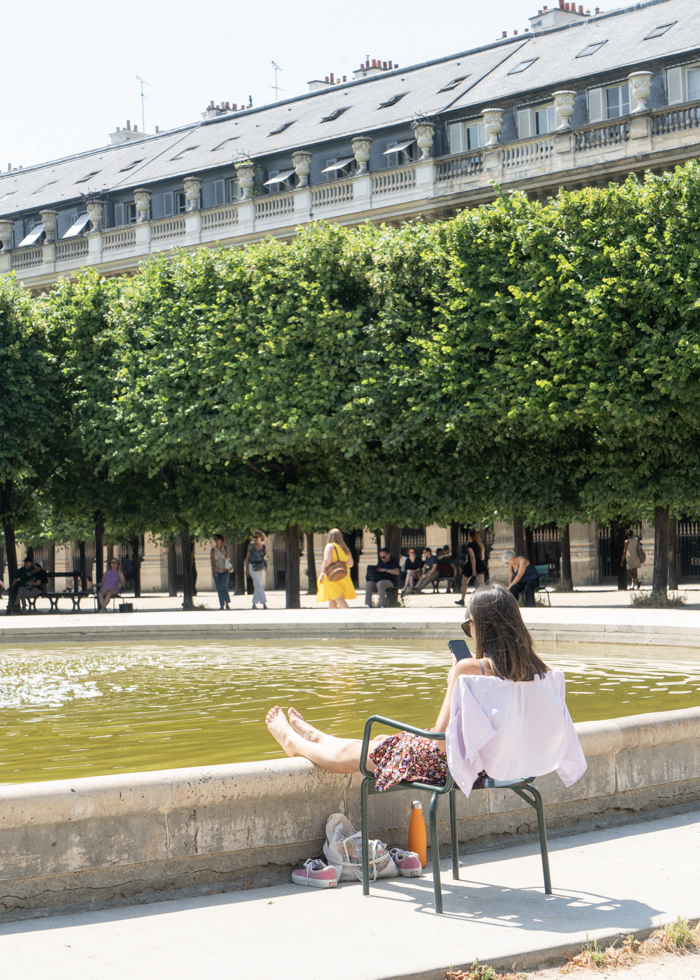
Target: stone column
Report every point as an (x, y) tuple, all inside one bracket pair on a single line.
[(95, 210), (6, 229), (425, 134), (493, 124), (48, 220), (142, 200), (564, 107), (246, 177), (361, 146), (640, 88), (302, 164), (193, 193)]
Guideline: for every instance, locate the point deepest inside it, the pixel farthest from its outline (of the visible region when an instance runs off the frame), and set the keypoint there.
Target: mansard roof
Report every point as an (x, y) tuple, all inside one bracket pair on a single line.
[(370, 105)]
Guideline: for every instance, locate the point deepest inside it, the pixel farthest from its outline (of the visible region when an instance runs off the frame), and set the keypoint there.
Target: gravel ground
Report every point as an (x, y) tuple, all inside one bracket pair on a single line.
[(666, 966)]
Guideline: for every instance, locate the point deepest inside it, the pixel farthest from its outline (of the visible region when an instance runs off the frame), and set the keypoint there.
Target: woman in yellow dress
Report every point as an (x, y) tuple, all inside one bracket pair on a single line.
[(335, 593)]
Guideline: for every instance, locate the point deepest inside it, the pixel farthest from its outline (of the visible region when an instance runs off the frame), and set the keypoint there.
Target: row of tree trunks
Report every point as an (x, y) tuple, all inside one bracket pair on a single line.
[(659, 581), (172, 569), (136, 558), (99, 545), (291, 577), (8, 527), (311, 565)]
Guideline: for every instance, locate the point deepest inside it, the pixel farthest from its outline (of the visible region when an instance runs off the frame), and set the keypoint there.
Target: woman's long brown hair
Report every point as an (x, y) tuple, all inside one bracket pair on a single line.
[(474, 536), (501, 635), (335, 536)]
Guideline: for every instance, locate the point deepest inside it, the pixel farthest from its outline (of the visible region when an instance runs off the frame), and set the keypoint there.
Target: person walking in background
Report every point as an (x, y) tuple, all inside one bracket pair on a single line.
[(634, 553), (128, 569), (334, 583), (475, 564), (256, 561), (220, 568), (524, 577), (413, 565), (112, 583)]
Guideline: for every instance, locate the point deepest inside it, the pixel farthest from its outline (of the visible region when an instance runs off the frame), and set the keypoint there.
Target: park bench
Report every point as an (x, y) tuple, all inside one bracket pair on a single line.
[(451, 581)]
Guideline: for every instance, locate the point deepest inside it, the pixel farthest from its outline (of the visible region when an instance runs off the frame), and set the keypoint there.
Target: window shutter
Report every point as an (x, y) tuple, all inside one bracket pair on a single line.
[(596, 111), (118, 214), (220, 192), (524, 124), (456, 138), (168, 204), (674, 85)]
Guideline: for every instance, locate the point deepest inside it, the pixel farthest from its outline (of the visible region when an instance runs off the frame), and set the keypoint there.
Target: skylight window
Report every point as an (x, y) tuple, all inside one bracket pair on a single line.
[(130, 166), (281, 129), (591, 49), (336, 114), (5, 196), (523, 66), (392, 101), (453, 84), (658, 31), (93, 173), (43, 187), (183, 153), (225, 143)]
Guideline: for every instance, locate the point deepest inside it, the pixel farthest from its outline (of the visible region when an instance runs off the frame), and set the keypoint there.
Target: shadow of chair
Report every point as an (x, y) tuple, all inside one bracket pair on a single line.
[(522, 787)]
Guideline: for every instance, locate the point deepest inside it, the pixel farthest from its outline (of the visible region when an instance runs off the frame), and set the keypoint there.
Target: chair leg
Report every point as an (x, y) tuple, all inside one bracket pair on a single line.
[(435, 853), (453, 835), (364, 828), (543, 839)]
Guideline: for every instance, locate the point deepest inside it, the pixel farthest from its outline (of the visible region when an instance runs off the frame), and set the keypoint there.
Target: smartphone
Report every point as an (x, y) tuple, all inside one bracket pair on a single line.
[(459, 648)]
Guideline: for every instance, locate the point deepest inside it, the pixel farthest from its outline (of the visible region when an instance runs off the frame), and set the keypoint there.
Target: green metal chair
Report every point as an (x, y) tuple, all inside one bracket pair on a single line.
[(543, 572), (523, 787)]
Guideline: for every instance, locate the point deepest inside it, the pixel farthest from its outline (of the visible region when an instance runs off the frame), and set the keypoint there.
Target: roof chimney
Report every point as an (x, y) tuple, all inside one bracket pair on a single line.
[(504, 34), (515, 33)]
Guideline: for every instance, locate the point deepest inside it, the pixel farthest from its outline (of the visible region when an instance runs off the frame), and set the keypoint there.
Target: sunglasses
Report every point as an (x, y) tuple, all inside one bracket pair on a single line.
[(466, 626)]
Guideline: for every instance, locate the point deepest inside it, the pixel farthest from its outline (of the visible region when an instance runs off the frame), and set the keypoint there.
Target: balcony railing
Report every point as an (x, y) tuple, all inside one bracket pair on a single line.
[(336, 192), (26, 258), (675, 120), (597, 138), (457, 168), (527, 154), (75, 248), (121, 238), (220, 218), (272, 207), (168, 228), (394, 180)]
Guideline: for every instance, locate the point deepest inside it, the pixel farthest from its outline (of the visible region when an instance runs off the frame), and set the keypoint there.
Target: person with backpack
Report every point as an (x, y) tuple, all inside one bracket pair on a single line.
[(334, 583)]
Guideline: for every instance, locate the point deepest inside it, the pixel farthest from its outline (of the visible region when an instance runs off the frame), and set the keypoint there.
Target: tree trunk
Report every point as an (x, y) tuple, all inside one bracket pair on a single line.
[(311, 565), (99, 545), (51, 562), (565, 538), (618, 536), (239, 553), (188, 584), (29, 552), (392, 541), (172, 569), (134, 542), (519, 545), (672, 553), (83, 566), (530, 545), (193, 561), (8, 528), (291, 578), (660, 579), (110, 554)]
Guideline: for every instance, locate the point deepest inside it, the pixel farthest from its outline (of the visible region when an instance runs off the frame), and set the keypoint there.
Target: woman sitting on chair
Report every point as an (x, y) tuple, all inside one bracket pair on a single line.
[(518, 711)]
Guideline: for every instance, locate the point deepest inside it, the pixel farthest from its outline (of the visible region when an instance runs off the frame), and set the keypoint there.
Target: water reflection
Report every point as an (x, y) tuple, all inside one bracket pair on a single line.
[(127, 708)]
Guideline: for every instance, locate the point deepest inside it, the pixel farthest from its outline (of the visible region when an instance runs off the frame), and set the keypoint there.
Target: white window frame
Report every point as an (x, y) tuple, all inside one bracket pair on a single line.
[(401, 157), (233, 190), (343, 173), (598, 102), (461, 135), (676, 79), (131, 215), (180, 202)]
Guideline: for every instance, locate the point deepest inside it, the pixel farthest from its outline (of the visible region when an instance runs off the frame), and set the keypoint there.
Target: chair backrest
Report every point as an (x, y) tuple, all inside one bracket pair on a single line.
[(543, 572)]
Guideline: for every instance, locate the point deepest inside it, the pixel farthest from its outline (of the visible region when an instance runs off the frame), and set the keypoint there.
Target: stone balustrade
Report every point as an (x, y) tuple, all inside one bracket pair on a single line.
[(568, 155)]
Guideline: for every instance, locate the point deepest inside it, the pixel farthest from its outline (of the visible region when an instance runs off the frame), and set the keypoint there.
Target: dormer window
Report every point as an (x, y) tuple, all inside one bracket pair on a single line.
[(466, 136), (337, 169), (33, 237), (610, 102), (453, 84), (683, 84), (280, 180), (78, 227), (336, 114), (281, 129), (536, 122), (398, 154), (392, 101)]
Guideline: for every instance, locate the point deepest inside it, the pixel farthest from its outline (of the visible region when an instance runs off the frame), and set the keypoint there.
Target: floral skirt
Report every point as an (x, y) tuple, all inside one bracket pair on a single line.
[(410, 757)]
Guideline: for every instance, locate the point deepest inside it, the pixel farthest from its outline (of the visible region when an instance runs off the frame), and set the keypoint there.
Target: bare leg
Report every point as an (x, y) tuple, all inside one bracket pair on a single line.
[(341, 757), (480, 578), (331, 604), (342, 604), (307, 730)]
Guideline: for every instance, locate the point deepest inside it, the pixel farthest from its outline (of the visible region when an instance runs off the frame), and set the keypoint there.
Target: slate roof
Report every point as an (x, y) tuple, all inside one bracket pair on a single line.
[(216, 142)]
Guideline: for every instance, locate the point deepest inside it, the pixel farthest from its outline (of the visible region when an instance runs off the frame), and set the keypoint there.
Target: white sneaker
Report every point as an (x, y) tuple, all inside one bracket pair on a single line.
[(407, 862), (315, 873)]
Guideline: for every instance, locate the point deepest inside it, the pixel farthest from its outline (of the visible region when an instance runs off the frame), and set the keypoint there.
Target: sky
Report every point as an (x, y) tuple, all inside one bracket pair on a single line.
[(70, 67)]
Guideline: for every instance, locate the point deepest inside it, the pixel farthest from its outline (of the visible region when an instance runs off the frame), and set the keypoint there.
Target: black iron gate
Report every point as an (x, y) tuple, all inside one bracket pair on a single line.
[(688, 550), (546, 548)]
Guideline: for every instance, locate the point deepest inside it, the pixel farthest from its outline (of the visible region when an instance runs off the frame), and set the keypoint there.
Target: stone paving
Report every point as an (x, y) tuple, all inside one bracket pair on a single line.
[(633, 878)]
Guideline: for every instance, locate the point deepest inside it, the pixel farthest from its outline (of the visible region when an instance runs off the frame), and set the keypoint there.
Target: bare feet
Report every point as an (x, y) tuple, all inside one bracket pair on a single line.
[(279, 728), (302, 727)]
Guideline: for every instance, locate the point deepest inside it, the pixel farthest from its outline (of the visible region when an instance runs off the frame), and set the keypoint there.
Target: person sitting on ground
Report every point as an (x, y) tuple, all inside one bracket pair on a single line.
[(503, 710), (19, 581), (336, 593), (429, 571), (475, 566), (36, 583), (412, 567), (112, 584), (524, 577), (387, 578)]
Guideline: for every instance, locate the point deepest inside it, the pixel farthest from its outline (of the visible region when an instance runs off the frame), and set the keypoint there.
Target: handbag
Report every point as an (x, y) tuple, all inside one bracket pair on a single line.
[(337, 569), (228, 567), (343, 851), (641, 552)]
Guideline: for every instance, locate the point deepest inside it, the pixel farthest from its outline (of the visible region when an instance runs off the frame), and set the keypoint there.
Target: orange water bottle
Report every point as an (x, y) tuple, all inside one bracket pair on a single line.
[(416, 833)]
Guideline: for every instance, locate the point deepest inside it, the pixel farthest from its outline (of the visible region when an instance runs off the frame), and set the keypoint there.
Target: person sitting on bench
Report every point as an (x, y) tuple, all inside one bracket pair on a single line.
[(21, 579), (112, 583), (36, 583), (387, 571), (504, 705), (429, 572)]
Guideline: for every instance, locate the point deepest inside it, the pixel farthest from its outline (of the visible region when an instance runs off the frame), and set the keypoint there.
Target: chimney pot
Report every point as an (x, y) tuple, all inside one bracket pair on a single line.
[(345, 78), (128, 124), (136, 129), (527, 30), (157, 129), (391, 64), (504, 33), (396, 66), (515, 33), (580, 8), (561, 4), (544, 8), (597, 10), (385, 64), (326, 79)]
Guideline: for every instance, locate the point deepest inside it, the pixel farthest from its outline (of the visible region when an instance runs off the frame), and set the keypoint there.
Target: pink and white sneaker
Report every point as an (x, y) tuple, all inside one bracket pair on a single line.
[(315, 873), (407, 862)]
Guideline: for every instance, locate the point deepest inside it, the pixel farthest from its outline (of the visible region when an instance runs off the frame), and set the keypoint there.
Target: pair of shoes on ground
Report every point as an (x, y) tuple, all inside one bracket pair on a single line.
[(317, 874)]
